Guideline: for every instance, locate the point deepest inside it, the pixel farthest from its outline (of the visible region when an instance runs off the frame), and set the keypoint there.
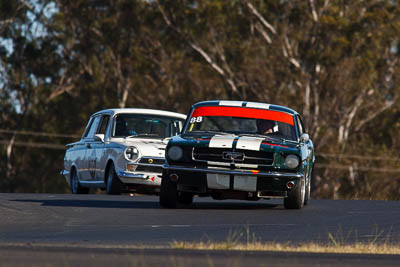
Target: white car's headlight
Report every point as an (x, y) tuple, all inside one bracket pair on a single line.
[(175, 153), (292, 161), (131, 153)]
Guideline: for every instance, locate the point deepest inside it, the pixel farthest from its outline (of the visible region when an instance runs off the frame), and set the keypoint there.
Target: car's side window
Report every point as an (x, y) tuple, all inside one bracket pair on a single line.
[(104, 124), (85, 133), (300, 124), (176, 127), (93, 127)]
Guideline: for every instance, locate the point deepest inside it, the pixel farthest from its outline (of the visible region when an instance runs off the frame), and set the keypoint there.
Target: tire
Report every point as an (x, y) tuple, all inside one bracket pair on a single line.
[(295, 198), (168, 193), (113, 185), (185, 198), (308, 191), (76, 187)]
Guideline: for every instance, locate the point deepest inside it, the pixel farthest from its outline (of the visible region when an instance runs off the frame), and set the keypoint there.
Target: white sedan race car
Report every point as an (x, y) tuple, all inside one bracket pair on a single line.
[(121, 150)]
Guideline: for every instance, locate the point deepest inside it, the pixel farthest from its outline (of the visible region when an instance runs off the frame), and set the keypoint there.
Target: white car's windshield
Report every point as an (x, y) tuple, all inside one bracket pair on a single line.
[(241, 121), (147, 126)]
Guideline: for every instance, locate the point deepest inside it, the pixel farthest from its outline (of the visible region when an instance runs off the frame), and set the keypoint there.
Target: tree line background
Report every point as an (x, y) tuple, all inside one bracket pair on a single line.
[(336, 62)]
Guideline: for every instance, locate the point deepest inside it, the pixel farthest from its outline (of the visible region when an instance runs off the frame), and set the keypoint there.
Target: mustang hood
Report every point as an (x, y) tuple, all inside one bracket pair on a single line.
[(236, 142)]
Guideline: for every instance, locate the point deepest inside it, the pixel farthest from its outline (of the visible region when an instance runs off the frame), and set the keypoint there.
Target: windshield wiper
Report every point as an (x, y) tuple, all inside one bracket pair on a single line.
[(143, 135), (275, 139), (281, 139), (251, 135), (209, 132)]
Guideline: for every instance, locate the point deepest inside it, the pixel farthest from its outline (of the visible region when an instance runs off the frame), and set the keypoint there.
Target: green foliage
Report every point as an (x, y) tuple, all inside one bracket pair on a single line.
[(337, 64)]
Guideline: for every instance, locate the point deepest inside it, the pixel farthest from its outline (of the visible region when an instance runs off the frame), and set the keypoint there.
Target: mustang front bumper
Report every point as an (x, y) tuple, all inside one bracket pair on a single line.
[(204, 180), (232, 172)]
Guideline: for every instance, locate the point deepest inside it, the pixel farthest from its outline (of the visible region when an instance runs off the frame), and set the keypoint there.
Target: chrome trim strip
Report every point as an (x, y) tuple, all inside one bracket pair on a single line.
[(143, 176), (145, 164), (260, 194), (253, 166), (226, 164), (232, 162), (91, 182), (271, 197), (233, 172)]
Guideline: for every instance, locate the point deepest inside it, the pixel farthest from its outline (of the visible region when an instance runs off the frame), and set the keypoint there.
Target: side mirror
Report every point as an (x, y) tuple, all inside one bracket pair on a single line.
[(99, 137), (304, 138)]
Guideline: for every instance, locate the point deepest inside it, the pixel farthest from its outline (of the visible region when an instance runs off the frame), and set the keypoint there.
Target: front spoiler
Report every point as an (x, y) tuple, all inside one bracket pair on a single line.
[(233, 172)]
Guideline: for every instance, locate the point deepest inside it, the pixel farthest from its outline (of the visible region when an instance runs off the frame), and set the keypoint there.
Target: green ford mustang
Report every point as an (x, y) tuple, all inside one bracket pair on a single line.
[(239, 150)]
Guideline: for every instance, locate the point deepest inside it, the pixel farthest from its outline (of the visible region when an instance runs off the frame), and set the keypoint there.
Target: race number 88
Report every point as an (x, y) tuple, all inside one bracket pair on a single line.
[(196, 119)]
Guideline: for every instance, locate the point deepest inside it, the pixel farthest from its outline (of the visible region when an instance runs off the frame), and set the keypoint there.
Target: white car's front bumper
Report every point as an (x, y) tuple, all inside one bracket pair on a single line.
[(147, 178), (65, 173)]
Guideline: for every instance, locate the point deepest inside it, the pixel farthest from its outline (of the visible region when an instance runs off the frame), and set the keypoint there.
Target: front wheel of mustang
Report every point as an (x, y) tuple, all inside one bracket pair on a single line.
[(168, 193), (308, 188), (295, 198), (185, 198), (308, 193)]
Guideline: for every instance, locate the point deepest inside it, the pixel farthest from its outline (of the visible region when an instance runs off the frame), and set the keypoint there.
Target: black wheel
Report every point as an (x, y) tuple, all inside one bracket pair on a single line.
[(76, 187), (113, 185), (168, 193), (295, 198), (185, 198), (308, 191)]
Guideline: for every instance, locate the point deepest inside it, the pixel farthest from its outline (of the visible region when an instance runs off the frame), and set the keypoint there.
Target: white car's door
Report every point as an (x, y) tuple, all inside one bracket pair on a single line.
[(99, 147), (89, 161)]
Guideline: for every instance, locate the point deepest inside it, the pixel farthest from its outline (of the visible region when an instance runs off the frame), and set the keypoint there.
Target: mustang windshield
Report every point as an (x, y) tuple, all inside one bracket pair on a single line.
[(143, 125), (241, 120)]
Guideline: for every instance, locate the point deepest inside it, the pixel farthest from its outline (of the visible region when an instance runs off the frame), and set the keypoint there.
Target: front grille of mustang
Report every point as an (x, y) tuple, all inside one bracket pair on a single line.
[(216, 154)]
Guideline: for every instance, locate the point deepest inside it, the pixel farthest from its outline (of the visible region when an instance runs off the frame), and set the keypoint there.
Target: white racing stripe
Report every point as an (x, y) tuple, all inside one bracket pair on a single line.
[(249, 143), (225, 141), (231, 103)]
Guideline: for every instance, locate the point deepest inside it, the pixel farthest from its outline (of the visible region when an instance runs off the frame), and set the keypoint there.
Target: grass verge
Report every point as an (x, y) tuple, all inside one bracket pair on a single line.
[(338, 243), (357, 248)]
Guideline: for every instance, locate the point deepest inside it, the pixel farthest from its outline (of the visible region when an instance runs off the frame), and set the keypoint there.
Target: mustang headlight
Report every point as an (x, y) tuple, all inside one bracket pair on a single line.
[(292, 161), (175, 153), (131, 153)]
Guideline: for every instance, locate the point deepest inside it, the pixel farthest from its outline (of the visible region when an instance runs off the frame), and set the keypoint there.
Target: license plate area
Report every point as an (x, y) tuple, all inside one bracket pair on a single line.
[(232, 182)]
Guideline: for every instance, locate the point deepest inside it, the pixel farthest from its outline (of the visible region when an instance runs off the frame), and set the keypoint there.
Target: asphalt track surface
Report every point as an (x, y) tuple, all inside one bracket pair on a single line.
[(100, 230)]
